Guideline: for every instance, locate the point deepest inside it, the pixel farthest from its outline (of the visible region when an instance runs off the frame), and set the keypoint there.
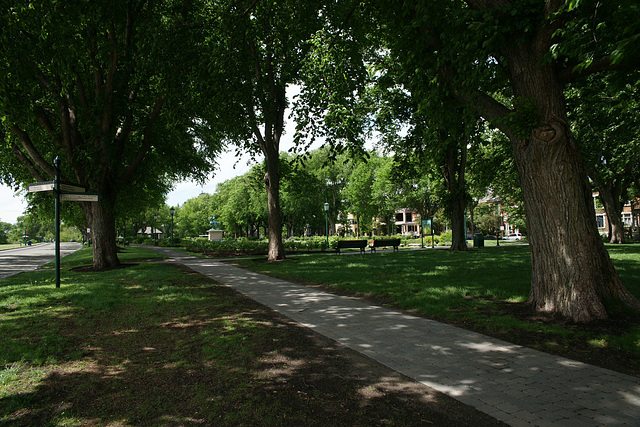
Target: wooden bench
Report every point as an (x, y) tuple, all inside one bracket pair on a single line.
[(380, 243), (344, 244)]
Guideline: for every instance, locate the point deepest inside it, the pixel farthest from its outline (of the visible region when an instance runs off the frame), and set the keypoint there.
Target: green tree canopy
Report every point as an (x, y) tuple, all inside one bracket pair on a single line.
[(105, 85)]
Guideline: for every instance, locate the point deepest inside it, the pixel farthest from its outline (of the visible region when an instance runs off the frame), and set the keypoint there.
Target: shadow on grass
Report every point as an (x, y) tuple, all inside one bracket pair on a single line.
[(169, 347)]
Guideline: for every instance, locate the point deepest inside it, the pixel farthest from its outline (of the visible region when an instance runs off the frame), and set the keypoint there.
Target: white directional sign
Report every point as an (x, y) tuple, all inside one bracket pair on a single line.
[(41, 186), (72, 188), (50, 186), (79, 197)]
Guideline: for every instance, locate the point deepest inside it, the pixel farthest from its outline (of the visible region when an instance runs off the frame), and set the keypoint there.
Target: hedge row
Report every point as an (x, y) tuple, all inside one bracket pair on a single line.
[(260, 247), (251, 247)]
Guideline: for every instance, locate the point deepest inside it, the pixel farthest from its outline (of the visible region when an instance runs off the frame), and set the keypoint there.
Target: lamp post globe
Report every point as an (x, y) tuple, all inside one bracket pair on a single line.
[(326, 221)]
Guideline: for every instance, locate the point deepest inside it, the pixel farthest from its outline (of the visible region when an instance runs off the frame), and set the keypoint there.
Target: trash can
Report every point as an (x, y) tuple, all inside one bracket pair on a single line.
[(478, 240)]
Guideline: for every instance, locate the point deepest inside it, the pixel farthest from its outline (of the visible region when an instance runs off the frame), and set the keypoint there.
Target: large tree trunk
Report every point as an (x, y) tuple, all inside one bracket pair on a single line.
[(458, 232), (571, 270), (104, 238), (453, 172), (272, 185), (101, 220)]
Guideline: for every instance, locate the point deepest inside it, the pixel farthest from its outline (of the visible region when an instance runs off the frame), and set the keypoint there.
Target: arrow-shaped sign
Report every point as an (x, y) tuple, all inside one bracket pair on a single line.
[(72, 188), (50, 186), (79, 197), (41, 186)]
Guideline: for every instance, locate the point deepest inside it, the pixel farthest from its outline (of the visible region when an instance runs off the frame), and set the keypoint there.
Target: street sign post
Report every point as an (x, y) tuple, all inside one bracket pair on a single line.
[(63, 191)]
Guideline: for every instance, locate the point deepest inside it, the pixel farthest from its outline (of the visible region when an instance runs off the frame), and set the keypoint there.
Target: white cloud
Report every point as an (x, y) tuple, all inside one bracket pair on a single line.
[(11, 205)]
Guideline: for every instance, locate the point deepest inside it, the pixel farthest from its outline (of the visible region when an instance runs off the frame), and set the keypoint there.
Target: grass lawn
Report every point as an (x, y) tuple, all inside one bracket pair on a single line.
[(483, 290), (156, 344)]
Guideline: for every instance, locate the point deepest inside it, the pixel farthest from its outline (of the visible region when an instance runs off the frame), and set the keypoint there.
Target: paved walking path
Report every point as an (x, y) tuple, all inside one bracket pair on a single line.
[(514, 384)]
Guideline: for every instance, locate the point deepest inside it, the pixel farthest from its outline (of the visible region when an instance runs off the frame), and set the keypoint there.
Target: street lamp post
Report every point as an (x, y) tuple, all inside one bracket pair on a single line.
[(172, 211), (326, 221), (155, 230)]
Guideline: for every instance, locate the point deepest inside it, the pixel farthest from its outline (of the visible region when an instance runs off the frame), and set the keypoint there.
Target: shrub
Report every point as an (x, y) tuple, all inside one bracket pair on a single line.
[(445, 238), (227, 247)]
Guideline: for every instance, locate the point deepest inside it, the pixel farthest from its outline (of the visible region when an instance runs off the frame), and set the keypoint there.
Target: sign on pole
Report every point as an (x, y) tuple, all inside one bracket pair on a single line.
[(40, 186), (79, 197), (71, 188), (63, 191)]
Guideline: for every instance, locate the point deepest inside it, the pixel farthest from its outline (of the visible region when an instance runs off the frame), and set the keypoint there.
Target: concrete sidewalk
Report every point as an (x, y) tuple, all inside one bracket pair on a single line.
[(514, 384)]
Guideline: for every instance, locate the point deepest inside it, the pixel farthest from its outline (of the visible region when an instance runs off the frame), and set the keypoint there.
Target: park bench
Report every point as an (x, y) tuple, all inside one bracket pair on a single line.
[(344, 244), (381, 243)]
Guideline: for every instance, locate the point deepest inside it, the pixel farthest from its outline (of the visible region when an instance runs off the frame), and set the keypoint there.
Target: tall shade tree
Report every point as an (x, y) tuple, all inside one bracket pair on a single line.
[(529, 50), (258, 50), (104, 85)]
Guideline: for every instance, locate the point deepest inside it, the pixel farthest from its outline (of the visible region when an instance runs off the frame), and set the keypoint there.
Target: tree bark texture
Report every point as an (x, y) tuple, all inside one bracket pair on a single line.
[(272, 185), (610, 197), (454, 171), (103, 229), (571, 270)]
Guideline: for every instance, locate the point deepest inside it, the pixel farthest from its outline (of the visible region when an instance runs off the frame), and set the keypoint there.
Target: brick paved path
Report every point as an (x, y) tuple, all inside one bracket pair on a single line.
[(514, 384)]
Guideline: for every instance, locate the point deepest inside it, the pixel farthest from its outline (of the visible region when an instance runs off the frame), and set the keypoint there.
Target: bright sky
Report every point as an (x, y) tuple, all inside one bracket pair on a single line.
[(11, 206)]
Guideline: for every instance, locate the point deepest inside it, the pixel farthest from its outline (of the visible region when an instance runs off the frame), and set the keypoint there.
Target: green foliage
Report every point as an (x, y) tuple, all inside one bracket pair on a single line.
[(522, 118), (108, 88), (195, 215), (445, 238), (241, 204), (593, 30), (606, 125), (227, 247), (5, 228)]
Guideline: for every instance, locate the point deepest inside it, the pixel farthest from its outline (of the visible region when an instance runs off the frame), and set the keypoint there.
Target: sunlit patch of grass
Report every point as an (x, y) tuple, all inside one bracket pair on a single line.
[(598, 342), (427, 281)]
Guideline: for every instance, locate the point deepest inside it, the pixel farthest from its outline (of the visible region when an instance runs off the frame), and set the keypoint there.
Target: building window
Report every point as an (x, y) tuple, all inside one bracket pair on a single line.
[(409, 217), (600, 221), (626, 219), (400, 217)]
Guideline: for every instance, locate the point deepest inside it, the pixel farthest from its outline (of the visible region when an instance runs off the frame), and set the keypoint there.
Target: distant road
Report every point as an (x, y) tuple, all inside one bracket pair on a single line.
[(28, 258)]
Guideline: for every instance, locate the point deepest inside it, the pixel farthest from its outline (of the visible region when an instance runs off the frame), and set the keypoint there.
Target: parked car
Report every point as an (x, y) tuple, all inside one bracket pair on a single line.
[(513, 236)]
